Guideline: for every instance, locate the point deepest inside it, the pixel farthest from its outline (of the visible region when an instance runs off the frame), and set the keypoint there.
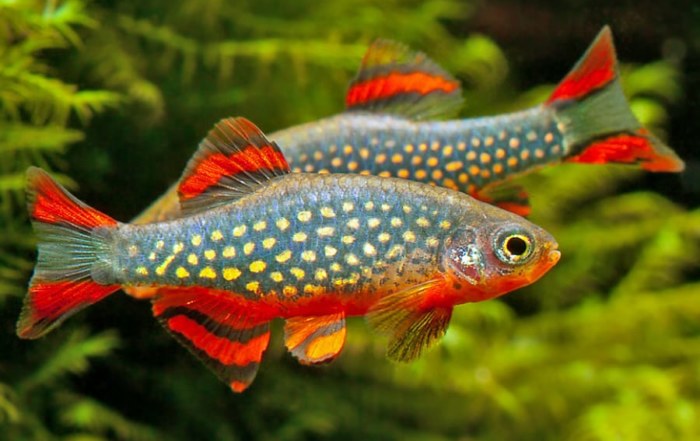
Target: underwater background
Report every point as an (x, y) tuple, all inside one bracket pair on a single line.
[(116, 96)]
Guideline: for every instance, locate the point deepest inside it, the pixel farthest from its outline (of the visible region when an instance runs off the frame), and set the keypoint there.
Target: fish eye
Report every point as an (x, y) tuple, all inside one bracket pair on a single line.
[(513, 248)]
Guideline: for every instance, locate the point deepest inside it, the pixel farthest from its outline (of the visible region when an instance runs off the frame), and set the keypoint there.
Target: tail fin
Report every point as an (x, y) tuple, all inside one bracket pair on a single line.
[(596, 119), (71, 271)]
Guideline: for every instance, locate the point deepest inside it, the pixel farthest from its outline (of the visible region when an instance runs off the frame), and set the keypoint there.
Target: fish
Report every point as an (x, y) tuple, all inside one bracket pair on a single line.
[(387, 130), (258, 243)]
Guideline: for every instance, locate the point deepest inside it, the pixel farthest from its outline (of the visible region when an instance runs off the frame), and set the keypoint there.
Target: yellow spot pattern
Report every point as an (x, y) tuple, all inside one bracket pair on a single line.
[(160, 270), (327, 212), (248, 248), (239, 230), (216, 235), (142, 271), (330, 251), (192, 259), (257, 266), (304, 216), (207, 273), (283, 256), (308, 255), (210, 254), (282, 223), (384, 237), (298, 273), (299, 237), (353, 223), (229, 252), (253, 287), (231, 273), (325, 231), (409, 236), (178, 247), (259, 226), (269, 243), (276, 276), (182, 273), (321, 274), (373, 222)]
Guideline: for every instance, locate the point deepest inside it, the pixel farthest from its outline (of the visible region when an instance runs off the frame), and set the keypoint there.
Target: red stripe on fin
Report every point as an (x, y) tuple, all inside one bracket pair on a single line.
[(596, 69), (48, 304), (233, 160), (396, 80), (49, 202), (315, 339), (228, 338), (639, 148), (410, 320), (507, 196)]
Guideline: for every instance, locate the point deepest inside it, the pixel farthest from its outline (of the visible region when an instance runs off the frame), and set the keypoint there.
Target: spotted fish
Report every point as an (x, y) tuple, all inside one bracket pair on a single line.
[(259, 243), (383, 131)]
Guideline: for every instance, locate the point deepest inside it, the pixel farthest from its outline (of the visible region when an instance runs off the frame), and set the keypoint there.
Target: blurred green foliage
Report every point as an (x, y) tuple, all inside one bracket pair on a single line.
[(606, 347)]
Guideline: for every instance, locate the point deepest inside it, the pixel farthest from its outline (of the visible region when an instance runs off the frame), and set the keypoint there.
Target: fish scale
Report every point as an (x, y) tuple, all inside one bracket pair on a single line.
[(260, 243), (356, 233), (462, 155)]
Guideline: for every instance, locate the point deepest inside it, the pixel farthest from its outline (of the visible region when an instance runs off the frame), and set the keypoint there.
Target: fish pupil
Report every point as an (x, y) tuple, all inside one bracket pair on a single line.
[(516, 246)]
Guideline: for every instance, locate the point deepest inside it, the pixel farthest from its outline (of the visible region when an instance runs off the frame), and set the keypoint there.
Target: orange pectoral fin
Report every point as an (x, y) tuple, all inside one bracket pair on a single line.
[(227, 339), (410, 321), (316, 339)]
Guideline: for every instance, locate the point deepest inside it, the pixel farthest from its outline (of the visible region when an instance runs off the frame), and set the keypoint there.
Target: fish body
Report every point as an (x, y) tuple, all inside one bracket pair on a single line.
[(386, 130), (258, 243)]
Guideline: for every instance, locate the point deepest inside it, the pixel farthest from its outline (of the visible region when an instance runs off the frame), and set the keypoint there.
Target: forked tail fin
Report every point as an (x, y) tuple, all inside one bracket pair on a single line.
[(72, 269), (596, 120)]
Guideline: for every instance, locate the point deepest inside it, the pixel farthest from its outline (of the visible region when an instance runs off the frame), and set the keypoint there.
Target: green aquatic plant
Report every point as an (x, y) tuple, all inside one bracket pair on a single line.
[(603, 348)]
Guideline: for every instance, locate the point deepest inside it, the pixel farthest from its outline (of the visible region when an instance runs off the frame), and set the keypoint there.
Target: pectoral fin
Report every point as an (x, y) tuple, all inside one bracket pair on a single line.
[(315, 339), (411, 324)]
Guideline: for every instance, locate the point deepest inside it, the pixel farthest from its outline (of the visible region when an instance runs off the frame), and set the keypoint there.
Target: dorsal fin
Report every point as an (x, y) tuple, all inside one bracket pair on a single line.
[(396, 80), (233, 160), (596, 69)]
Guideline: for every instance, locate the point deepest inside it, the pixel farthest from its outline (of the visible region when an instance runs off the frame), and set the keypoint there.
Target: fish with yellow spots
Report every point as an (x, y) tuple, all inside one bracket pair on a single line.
[(259, 243), (386, 130)]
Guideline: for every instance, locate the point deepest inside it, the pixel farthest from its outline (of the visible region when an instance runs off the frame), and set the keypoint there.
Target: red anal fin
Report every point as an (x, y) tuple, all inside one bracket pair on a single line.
[(596, 69), (639, 148), (394, 79), (48, 304), (227, 339), (49, 203), (315, 339), (507, 196), (233, 160)]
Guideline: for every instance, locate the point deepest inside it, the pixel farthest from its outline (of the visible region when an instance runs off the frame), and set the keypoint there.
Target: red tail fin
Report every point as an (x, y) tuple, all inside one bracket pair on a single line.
[(70, 256), (598, 124)]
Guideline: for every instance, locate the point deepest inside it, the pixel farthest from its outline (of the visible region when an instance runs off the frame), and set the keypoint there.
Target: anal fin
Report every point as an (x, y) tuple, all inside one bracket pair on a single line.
[(230, 341), (315, 339), (410, 321)]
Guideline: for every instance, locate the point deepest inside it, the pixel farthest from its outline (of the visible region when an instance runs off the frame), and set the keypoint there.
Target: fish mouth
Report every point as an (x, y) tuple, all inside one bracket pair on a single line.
[(553, 256)]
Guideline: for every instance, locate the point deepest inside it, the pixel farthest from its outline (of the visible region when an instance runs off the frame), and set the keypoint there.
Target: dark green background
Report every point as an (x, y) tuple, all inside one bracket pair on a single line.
[(115, 96)]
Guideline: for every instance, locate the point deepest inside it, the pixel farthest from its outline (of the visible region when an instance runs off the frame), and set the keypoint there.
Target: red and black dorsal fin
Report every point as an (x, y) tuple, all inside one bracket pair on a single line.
[(396, 80), (598, 124), (233, 160), (70, 256), (596, 68), (220, 331), (316, 339)]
